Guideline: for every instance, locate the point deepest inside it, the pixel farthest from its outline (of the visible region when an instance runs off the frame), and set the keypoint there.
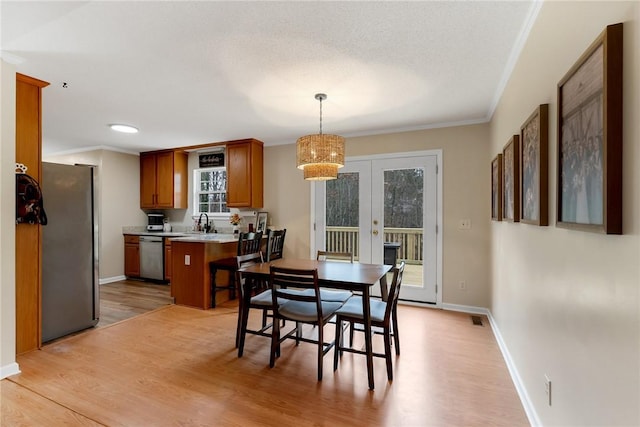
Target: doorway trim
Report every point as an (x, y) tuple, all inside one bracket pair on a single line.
[(439, 210)]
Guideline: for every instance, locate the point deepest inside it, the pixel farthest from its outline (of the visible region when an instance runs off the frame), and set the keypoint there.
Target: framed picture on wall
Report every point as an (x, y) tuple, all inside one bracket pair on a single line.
[(496, 188), (590, 138), (261, 222), (510, 178), (534, 168)]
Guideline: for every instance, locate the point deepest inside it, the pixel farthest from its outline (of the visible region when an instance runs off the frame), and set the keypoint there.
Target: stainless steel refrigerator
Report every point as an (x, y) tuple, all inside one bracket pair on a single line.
[(70, 293)]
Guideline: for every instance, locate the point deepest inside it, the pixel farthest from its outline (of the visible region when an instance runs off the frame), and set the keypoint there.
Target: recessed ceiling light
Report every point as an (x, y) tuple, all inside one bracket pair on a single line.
[(124, 128)]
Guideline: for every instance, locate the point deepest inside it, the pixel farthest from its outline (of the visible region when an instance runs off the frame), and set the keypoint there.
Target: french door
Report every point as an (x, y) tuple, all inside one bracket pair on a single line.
[(385, 209)]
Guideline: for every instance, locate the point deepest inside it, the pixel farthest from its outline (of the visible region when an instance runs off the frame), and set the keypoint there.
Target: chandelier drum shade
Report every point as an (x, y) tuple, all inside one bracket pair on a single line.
[(320, 155)]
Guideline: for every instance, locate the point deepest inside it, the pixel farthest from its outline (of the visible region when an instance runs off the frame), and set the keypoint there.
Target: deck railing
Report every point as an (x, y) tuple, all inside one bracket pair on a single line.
[(345, 239)]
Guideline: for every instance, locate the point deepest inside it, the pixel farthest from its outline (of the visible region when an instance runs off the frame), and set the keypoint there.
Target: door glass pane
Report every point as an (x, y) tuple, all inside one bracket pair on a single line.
[(342, 213), (403, 221)]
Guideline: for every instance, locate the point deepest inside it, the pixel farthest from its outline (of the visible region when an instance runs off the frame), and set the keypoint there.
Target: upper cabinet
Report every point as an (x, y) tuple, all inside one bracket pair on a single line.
[(163, 180), (245, 174)]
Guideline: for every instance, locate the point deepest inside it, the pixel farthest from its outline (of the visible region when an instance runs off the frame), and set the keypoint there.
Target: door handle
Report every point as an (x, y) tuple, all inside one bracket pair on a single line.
[(375, 232)]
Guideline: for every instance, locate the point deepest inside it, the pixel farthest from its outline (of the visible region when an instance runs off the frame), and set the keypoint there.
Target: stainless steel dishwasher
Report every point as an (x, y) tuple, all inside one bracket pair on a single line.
[(151, 257)]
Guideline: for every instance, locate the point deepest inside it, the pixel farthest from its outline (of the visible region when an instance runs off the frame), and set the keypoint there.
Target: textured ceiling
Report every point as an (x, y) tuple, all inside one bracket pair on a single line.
[(190, 73)]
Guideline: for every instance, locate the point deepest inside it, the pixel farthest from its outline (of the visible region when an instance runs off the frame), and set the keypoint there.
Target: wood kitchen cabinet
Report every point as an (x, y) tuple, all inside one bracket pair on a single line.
[(131, 256), (191, 282), (28, 237), (245, 174), (163, 179)]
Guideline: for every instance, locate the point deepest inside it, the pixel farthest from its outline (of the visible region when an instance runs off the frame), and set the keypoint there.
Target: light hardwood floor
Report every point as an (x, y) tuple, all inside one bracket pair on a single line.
[(177, 366), (128, 298)]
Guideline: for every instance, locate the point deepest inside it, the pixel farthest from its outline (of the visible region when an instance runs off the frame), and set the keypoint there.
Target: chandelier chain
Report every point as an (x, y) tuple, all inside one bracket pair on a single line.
[(320, 115)]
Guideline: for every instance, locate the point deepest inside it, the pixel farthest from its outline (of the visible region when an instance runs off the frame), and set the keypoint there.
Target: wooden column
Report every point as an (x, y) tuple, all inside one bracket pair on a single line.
[(29, 236)]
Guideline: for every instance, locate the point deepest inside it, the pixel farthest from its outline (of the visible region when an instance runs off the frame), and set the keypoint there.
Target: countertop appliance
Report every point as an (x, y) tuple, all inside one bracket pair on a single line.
[(151, 257), (70, 293), (155, 222)]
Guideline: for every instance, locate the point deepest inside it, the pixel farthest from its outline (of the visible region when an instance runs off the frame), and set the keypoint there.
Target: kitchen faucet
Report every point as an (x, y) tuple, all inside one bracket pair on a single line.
[(206, 224)]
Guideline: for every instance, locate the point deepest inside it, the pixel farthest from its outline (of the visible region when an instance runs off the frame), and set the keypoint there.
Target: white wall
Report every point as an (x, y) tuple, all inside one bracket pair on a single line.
[(120, 197), (465, 195), (7, 220), (567, 302), (118, 202)]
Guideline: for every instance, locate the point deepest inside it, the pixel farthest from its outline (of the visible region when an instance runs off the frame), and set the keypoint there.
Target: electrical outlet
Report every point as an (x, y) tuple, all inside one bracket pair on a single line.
[(187, 260), (464, 224), (463, 285), (547, 388)]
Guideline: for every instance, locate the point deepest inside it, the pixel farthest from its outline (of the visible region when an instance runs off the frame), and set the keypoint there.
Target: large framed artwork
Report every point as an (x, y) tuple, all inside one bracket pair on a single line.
[(496, 188), (590, 138), (511, 176), (534, 168)]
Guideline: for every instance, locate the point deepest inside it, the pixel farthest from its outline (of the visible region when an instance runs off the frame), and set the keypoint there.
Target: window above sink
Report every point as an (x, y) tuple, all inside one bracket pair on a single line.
[(210, 191)]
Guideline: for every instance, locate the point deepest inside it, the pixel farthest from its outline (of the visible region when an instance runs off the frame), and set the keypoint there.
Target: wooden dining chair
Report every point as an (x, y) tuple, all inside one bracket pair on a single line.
[(384, 315), (275, 244), (302, 308), (248, 243), (328, 294), (260, 299)]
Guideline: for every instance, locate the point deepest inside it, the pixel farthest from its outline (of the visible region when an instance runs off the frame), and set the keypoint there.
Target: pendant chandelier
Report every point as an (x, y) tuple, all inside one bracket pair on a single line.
[(320, 155)]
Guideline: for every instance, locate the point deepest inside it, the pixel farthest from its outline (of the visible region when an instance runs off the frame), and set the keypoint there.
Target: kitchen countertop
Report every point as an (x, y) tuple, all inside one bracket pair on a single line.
[(158, 233), (188, 237), (206, 238)]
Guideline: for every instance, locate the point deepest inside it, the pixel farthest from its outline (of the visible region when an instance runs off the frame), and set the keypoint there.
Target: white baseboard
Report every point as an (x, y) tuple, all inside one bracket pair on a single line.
[(112, 279), (529, 409), (8, 370), (465, 308)]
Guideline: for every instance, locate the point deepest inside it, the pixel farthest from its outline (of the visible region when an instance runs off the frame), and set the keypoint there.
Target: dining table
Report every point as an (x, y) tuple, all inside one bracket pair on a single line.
[(357, 277)]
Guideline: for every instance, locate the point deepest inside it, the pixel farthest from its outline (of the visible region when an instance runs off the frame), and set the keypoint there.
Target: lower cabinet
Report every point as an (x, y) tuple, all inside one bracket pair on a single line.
[(131, 256)]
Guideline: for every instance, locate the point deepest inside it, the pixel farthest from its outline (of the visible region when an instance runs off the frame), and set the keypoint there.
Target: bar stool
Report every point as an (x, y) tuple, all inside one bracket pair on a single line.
[(248, 243)]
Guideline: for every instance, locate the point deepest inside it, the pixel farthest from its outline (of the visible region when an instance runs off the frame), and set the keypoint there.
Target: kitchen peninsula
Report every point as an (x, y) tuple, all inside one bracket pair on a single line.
[(190, 281)]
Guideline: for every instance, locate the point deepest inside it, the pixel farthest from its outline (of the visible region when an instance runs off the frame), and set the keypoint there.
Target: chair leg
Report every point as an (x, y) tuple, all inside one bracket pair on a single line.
[(320, 350), (338, 342), (212, 274), (396, 333), (239, 325), (387, 352), (275, 343), (232, 284), (298, 333), (243, 329)]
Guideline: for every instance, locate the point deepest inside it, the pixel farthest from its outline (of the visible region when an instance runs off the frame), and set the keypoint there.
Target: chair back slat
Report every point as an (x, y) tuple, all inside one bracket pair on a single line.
[(249, 243), (275, 244)]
